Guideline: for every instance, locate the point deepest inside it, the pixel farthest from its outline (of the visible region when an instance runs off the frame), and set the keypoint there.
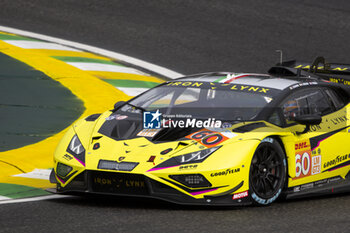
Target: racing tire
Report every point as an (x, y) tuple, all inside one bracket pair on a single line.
[(267, 175)]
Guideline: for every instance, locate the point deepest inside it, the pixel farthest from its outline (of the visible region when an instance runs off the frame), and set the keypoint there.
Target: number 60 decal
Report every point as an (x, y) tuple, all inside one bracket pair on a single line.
[(302, 165), (207, 137)]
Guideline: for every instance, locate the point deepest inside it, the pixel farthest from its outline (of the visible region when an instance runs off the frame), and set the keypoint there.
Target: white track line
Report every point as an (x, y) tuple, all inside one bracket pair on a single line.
[(132, 91), (4, 198), (43, 174), (134, 61), (90, 66), (27, 44), (41, 198)]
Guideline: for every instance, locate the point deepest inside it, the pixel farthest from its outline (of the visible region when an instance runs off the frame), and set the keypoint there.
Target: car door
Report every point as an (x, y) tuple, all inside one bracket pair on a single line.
[(319, 151)]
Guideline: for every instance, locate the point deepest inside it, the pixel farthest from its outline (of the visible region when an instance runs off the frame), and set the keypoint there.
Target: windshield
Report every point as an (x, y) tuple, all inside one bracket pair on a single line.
[(226, 102)]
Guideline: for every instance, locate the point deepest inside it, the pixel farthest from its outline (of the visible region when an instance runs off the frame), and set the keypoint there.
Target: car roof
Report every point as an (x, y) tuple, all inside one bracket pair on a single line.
[(261, 80)]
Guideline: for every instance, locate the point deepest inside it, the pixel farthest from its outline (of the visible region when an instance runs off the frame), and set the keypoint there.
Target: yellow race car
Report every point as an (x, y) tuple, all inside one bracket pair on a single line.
[(215, 139)]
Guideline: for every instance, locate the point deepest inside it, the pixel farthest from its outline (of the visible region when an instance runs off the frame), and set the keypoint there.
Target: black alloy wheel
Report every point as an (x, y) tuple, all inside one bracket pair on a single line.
[(267, 172)]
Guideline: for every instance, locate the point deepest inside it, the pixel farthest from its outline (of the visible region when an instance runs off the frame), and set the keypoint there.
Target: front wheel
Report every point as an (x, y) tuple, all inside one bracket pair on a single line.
[(267, 172)]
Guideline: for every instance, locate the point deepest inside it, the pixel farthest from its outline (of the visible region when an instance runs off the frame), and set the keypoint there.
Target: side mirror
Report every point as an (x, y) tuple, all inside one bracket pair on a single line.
[(308, 120), (118, 104)]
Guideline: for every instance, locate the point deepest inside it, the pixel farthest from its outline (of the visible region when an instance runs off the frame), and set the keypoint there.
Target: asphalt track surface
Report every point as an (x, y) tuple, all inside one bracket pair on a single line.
[(188, 37)]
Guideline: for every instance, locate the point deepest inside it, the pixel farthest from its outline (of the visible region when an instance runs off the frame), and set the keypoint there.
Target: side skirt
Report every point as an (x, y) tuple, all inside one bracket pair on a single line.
[(322, 187)]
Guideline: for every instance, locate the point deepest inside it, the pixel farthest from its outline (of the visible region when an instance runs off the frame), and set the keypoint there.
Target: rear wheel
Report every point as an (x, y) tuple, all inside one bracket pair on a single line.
[(267, 172)]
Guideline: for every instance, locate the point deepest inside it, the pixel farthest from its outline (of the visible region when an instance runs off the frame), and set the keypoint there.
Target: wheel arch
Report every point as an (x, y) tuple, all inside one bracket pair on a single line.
[(287, 156)]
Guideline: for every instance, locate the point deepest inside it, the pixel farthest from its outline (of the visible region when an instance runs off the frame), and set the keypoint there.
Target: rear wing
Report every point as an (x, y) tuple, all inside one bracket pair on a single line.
[(319, 68)]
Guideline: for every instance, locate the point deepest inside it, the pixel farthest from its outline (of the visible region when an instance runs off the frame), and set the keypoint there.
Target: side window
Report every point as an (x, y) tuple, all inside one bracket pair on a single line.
[(307, 101), (334, 98), (295, 105), (275, 119), (318, 103)]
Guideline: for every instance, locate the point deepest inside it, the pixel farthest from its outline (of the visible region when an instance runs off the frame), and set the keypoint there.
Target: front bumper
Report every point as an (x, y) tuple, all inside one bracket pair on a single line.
[(137, 185)]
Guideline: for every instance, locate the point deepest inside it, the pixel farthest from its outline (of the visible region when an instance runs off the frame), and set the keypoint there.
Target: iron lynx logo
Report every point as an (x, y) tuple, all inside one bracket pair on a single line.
[(152, 120), (155, 120)]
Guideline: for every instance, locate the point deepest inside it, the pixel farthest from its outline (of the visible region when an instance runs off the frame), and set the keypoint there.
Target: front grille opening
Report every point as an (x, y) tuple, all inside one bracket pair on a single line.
[(159, 187), (78, 183)]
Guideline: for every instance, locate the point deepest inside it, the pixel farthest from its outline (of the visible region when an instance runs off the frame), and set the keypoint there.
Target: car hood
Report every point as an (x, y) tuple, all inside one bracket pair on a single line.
[(118, 140)]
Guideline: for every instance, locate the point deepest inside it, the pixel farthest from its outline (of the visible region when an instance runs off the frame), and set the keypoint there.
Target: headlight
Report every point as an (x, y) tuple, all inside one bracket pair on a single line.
[(196, 157), (75, 147), (77, 150)]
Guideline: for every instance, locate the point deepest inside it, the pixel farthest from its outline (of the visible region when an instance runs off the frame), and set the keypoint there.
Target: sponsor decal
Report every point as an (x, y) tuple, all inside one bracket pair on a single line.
[(116, 117), (191, 123), (226, 125), (266, 201), (301, 145), (339, 80), (339, 120), (119, 182), (152, 120), (339, 68), (306, 162), (316, 164), (296, 189), (225, 172), (306, 186), (188, 167), (320, 182), (336, 161), (120, 117), (185, 84), (155, 120), (110, 118), (314, 128), (249, 88), (334, 179), (67, 157), (148, 132), (210, 138), (240, 195), (302, 84), (268, 139), (235, 87), (316, 184)]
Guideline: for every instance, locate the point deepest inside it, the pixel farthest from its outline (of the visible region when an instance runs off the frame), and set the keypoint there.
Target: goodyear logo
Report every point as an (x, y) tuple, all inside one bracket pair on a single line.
[(226, 172)]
